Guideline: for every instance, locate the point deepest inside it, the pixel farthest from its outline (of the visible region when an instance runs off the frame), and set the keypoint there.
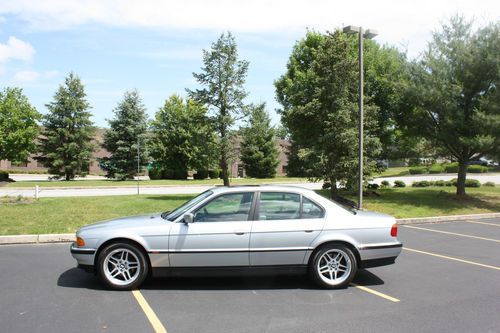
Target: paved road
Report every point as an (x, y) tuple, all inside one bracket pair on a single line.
[(483, 178), (122, 190), (446, 280)]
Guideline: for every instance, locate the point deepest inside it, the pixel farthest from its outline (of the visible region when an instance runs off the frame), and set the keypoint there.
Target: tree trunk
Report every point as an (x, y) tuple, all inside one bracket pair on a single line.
[(333, 189), (462, 172), (224, 167)]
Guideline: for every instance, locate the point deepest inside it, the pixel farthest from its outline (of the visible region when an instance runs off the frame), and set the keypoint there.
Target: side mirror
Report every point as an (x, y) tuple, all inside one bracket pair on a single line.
[(188, 218)]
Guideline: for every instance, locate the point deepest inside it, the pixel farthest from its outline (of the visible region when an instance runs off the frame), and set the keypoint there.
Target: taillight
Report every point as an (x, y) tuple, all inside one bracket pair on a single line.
[(394, 230)]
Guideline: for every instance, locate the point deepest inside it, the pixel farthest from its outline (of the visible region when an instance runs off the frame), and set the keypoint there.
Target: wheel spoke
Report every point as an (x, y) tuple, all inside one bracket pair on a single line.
[(324, 269), (114, 272), (331, 275)]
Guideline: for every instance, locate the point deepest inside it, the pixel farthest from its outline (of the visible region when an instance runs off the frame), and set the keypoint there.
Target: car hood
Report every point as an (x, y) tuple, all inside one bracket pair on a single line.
[(124, 222)]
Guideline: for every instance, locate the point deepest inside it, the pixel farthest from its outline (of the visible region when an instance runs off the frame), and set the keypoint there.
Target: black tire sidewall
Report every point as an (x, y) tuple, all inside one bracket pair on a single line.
[(315, 274), (143, 266)]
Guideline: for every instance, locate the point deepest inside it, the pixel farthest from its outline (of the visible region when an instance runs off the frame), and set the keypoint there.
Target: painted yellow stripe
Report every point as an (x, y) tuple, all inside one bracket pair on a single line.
[(486, 223), (148, 311), (452, 258), (453, 233), (374, 292)]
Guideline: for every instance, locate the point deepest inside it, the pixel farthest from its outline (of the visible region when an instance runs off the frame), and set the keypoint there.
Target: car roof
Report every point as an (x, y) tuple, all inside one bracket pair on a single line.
[(265, 187)]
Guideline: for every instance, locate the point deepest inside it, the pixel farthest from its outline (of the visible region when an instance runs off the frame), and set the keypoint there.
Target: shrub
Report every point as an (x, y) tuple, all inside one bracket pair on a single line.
[(489, 184), (439, 183), (422, 183), (214, 174), (451, 167), (385, 183), (477, 169), (4, 176), (418, 170), (436, 168), (472, 183), (373, 186), (201, 174), (449, 183), (154, 173), (399, 183)]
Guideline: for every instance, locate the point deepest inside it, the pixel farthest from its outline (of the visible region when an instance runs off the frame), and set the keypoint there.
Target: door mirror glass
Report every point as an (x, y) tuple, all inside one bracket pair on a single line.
[(188, 218)]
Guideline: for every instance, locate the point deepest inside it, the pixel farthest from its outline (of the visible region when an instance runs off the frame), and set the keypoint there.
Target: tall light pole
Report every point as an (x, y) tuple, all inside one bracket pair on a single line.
[(369, 34)]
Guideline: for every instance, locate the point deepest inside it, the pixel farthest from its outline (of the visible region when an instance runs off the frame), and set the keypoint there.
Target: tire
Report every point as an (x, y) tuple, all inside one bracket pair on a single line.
[(333, 266), (122, 266)]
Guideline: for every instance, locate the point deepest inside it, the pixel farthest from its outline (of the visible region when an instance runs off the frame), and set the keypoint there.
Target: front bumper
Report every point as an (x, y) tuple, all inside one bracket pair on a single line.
[(84, 256)]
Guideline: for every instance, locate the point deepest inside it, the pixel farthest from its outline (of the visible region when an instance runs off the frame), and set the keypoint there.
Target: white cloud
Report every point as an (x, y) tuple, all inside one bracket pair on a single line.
[(398, 21), (16, 49), (27, 76)]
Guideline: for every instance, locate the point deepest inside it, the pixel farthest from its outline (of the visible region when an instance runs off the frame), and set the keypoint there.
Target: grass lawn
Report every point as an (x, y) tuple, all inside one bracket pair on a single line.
[(106, 182), (394, 172), (63, 215)]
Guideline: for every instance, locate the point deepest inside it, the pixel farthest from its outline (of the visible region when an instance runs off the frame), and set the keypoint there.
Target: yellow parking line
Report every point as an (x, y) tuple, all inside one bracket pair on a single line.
[(453, 233), (452, 258), (374, 292), (148, 311), (494, 224)]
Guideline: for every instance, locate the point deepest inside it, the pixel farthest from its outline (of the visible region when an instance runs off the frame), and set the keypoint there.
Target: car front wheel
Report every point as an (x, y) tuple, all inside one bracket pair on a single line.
[(333, 266), (122, 266)]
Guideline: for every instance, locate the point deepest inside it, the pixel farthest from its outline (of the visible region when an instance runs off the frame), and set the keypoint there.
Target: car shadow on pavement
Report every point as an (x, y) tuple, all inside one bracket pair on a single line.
[(76, 278)]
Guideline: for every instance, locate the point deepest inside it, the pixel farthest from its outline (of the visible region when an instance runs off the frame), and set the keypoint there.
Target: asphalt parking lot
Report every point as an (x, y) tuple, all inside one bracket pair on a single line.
[(447, 279)]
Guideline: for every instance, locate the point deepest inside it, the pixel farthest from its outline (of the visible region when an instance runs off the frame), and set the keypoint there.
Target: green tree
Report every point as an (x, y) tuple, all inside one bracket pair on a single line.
[(258, 148), (125, 138), (222, 78), (182, 137), (318, 94), (453, 95), (18, 125), (66, 145)]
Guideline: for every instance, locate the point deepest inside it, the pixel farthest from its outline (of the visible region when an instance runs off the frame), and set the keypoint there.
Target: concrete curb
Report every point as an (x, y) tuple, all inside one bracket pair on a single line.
[(66, 238), (437, 219), (37, 239)]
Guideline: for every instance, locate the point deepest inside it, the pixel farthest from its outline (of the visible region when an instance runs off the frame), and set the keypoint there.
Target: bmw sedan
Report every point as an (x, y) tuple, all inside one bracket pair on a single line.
[(242, 230)]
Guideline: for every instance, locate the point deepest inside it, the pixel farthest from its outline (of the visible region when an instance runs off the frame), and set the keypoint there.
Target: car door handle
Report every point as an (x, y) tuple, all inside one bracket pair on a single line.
[(308, 231), (239, 233)]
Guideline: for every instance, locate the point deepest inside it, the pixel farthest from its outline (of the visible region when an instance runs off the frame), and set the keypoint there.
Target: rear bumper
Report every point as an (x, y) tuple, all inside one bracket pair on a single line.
[(84, 256), (374, 255)]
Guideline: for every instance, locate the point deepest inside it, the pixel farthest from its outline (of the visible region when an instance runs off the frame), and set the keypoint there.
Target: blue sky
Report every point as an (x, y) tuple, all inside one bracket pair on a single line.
[(154, 46)]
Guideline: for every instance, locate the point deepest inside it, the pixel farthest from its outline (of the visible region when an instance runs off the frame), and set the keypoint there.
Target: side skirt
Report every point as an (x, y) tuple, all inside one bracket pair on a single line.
[(229, 271)]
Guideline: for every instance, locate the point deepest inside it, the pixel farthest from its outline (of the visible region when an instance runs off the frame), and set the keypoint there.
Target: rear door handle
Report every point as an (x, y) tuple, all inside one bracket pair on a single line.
[(308, 231), (239, 233)]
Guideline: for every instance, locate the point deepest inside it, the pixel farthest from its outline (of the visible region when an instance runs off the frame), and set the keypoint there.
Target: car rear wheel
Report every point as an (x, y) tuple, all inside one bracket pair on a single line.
[(122, 266), (333, 266)]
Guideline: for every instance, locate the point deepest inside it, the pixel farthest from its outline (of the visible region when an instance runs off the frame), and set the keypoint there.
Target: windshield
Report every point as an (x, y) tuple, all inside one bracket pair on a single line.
[(171, 216)]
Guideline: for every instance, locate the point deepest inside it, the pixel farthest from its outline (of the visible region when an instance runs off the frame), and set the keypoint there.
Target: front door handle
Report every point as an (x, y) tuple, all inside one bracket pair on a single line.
[(239, 233), (308, 231)]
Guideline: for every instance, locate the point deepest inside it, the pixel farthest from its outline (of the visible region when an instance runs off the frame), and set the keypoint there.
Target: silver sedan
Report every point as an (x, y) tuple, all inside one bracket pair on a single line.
[(240, 230)]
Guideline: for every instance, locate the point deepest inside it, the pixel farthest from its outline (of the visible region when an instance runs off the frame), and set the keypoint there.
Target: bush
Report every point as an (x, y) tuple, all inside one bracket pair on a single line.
[(449, 183), (477, 169), (436, 168), (422, 183), (472, 183), (399, 183), (418, 170), (214, 174), (4, 176), (373, 186), (451, 167), (201, 174), (385, 183), (154, 173), (439, 183), (489, 184)]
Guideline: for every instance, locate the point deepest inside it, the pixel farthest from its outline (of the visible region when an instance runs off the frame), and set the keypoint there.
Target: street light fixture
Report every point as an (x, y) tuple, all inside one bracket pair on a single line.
[(368, 34)]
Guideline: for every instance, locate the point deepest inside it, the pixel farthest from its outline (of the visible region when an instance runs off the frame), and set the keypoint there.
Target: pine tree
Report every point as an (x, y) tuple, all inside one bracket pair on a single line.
[(125, 139), (223, 78), (258, 149), (66, 145)]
